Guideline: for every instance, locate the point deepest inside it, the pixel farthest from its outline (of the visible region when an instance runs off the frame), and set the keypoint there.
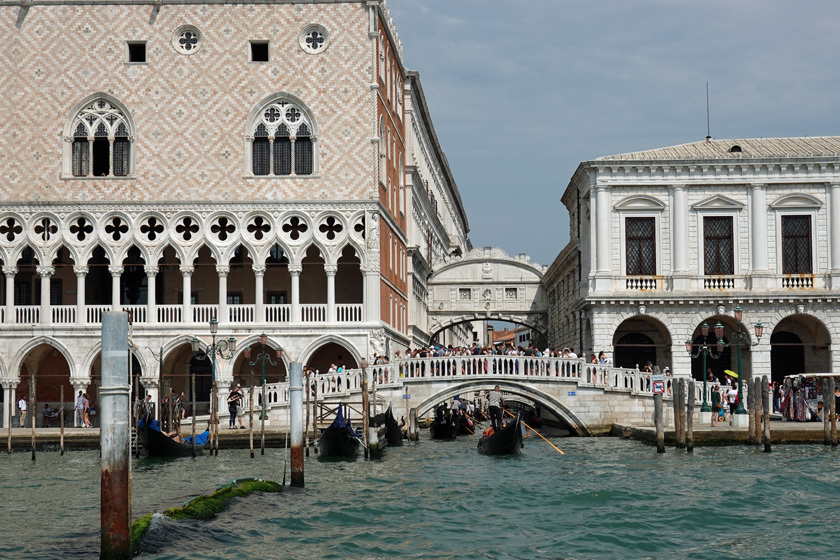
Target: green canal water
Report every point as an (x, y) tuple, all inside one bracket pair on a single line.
[(606, 498)]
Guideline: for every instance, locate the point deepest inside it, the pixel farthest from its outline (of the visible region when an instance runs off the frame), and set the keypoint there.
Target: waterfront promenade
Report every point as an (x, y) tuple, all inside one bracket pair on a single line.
[(781, 432)]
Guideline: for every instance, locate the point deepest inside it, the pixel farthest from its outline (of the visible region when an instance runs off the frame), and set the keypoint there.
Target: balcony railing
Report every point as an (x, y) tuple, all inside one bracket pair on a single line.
[(798, 281), (174, 313)]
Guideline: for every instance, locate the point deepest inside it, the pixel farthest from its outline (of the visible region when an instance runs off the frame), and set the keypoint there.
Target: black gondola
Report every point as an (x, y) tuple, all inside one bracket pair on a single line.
[(505, 441), (444, 425), (393, 431), (158, 444), (339, 439)]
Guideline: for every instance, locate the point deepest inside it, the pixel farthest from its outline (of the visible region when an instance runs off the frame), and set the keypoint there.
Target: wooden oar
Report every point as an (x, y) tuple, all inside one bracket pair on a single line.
[(536, 432)]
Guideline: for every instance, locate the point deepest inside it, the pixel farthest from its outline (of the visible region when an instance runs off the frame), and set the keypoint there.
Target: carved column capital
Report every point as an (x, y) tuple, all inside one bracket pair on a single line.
[(151, 270), (259, 269), (331, 269), (45, 270), (187, 270), (116, 270), (10, 270), (222, 269), (80, 270), (295, 269)]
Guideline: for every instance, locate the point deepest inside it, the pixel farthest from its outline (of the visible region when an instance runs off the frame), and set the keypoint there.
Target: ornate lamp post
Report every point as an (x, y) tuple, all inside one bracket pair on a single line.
[(224, 349), (739, 338), (704, 350), (263, 358)]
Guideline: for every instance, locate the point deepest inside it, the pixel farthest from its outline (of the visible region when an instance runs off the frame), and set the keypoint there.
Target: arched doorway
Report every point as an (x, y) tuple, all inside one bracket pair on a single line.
[(799, 344), (639, 340), (45, 369), (634, 351), (331, 353)]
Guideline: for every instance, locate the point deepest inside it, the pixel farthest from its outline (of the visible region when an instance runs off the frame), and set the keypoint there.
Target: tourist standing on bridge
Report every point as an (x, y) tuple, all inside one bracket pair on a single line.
[(494, 400)]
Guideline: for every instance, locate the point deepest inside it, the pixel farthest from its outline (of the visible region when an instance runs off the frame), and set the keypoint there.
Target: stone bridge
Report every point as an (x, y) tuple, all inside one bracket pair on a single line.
[(487, 284), (586, 398)]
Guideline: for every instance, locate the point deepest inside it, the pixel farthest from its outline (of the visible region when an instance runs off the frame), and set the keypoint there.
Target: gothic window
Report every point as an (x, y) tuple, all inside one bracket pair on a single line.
[(718, 245), (796, 245), (283, 141), (641, 246), (187, 39), (314, 38), (102, 142)]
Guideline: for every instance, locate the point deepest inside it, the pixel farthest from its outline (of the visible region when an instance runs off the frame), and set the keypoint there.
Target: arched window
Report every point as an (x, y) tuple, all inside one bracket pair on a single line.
[(283, 140), (102, 143)]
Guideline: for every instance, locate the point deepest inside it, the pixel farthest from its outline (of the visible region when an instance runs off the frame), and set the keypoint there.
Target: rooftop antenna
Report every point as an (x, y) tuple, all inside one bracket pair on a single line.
[(708, 122)]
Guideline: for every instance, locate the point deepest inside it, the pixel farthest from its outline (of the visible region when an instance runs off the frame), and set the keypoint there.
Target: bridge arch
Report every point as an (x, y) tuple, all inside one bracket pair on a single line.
[(546, 401)]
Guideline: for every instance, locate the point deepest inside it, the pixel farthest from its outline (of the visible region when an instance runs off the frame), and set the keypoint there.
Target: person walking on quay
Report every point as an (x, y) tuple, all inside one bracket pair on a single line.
[(239, 406), (22, 408), (78, 411), (233, 401), (86, 410), (716, 404), (732, 395), (494, 401)]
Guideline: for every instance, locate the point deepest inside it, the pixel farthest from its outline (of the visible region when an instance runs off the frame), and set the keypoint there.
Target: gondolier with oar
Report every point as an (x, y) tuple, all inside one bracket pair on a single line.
[(494, 400)]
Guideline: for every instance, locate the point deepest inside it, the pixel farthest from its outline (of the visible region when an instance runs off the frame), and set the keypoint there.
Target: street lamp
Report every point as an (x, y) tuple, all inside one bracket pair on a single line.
[(739, 338), (224, 348), (704, 350), (264, 358)]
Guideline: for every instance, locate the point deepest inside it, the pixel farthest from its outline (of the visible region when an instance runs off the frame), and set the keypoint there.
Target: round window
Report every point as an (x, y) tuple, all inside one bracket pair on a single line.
[(187, 39), (314, 38)]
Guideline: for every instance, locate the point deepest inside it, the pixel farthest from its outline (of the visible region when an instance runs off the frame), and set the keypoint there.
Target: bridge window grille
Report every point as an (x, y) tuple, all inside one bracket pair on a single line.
[(511, 293), (641, 246), (283, 141), (796, 245), (718, 245), (465, 294)]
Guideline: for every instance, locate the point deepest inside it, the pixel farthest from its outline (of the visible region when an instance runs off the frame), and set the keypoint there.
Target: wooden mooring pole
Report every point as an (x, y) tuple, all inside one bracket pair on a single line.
[(308, 390), (678, 403), (365, 407), (689, 423), (832, 386), (114, 439), (825, 412), (765, 397), (61, 419), (657, 418), (751, 410), (412, 425), (251, 417), (296, 421), (315, 410), (32, 408), (9, 420), (194, 415), (759, 411)]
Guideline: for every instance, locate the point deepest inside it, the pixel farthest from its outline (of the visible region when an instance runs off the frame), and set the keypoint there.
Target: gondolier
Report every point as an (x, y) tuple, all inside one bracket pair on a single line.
[(494, 400)]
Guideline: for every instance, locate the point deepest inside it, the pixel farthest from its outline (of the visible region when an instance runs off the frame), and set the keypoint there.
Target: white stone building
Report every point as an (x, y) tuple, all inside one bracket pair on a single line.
[(667, 239), (246, 162)]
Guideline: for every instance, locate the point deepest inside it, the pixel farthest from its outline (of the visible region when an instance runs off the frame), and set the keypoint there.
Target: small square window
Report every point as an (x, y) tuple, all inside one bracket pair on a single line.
[(137, 52), (259, 51)]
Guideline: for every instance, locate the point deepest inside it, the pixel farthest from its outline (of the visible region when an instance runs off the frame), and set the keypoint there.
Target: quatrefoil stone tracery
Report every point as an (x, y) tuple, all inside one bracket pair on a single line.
[(45, 229), (330, 227), (81, 228), (10, 229), (223, 228), (151, 228), (116, 228), (187, 228), (295, 227), (259, 227)]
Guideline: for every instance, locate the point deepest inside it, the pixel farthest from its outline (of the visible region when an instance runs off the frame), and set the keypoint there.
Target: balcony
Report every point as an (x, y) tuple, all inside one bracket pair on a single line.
[(237, 314)]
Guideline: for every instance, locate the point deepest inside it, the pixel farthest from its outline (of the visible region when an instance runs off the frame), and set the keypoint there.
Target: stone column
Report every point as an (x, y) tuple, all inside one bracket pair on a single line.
[(371, 293), (331, 270), (116, 273), (294, 271), (603, 280), (259, 293), (758, 237), (223, 270), (8, 400), (81, 307), (10, 272), (679, 238), (151, 303), (834, 234), (45, 272), (186, 273)]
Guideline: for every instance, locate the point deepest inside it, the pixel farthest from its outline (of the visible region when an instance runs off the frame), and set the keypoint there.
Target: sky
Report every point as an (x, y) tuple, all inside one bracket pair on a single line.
[(521, 93)]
